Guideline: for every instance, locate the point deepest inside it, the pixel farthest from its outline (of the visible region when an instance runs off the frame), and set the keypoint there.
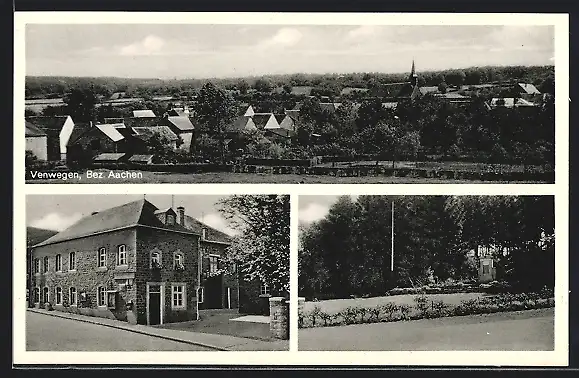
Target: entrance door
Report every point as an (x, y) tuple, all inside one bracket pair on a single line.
[(154, 305), (213, 295)]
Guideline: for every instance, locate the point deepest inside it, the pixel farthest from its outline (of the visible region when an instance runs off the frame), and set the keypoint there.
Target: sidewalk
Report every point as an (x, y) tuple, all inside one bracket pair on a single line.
[(216, 342)]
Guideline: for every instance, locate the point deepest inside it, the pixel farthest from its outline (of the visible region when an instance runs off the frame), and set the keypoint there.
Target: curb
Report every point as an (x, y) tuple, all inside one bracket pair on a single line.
[(133, 330)]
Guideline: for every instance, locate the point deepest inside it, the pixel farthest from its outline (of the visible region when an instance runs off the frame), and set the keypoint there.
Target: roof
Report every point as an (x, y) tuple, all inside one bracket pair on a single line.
[(135, 213), (261, 119), (328, 106), (36, 235), (425, 90), (241, 123), (117, 95), (293, 113), (211, 234), (178, 112), (54, 123), (529, 88), (33, 131), (141, 158), (109, 157), (302, 90), (181, 123), (147, 132), (350, 90), (452, 96), (509, 102), (143, 113), (114, 120), (110, 131), (78, 130)]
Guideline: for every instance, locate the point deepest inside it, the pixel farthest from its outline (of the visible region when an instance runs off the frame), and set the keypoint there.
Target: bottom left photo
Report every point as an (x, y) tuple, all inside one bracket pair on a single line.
[(157, 272)]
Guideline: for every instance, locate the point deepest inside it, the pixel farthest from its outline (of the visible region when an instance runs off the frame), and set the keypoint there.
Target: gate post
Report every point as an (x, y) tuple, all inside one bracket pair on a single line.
[(278, 318)]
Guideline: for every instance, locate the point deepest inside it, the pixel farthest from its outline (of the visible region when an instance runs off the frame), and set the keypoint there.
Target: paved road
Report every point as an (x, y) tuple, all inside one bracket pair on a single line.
[(49, 333), (524, 330)]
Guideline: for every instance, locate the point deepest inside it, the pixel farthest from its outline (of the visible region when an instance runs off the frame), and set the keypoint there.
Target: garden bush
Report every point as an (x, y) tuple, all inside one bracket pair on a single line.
[(424, 308)]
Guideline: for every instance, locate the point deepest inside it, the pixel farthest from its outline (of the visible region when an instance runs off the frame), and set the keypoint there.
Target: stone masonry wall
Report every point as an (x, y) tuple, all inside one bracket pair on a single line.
[(88, 276), (167, 244)]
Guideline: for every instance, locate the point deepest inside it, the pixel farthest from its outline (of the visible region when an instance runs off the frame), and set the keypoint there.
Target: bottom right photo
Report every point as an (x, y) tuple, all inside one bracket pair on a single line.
[(426, 273)]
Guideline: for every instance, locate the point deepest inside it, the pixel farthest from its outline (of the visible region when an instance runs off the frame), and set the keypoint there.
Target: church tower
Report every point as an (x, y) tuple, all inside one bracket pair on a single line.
[(413, 78)]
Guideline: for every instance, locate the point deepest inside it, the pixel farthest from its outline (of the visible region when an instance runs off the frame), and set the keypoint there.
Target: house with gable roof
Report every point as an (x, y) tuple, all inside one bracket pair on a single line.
[(36, 141), (58, 130), (135, 263)]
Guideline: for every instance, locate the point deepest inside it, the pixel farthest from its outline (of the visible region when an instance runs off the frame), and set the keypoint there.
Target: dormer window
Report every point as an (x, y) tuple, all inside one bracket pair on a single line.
[(155, 260), (170, 220)]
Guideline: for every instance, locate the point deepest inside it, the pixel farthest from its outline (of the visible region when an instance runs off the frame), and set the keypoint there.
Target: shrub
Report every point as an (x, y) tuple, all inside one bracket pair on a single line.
[(301, 317), (404, 311), (349, 315), (421, 303), (313, 315), (439, 308), (375, 313), (48, 307), (326, 317)]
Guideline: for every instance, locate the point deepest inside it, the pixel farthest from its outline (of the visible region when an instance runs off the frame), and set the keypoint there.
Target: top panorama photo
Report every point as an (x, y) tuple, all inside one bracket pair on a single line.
[(176, 103)]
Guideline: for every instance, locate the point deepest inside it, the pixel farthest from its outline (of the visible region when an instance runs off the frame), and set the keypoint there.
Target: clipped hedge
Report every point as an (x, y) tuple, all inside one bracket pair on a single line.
[(424, 308)]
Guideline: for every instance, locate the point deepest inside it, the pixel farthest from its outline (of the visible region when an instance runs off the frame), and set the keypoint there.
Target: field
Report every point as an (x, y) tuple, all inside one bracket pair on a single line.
[(336, 305), (251, 178)]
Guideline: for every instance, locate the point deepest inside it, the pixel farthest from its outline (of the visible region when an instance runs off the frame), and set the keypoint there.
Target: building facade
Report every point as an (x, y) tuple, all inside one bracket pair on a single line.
[(134, 263)]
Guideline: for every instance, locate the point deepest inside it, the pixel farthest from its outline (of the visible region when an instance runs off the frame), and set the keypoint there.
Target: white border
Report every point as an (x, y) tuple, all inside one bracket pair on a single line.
[(558, 357)]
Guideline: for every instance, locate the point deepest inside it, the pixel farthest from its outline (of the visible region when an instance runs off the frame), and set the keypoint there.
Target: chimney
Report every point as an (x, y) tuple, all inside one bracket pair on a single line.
[(204, 234), (181, 212)]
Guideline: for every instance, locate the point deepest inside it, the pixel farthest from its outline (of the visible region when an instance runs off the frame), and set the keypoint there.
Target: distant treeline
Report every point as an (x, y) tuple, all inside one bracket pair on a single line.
[(56, 87)]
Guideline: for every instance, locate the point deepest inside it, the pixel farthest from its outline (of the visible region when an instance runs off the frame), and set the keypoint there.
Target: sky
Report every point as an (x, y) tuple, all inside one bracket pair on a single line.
[(57, 212), (314, 208), (205, 51)]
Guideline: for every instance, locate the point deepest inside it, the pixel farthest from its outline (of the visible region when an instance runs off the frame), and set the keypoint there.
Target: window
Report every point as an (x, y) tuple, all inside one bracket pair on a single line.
[(264, 289), (213, 262), (122, 255), (102, 257), (45, 297), (178, 295), (58, 263), (72, 261), (72, 296), (170, 219), (46, 264), (101, 297), (178, 261), (36, 295), (155, 260), (200, 295), (58, 295), (36, 266)]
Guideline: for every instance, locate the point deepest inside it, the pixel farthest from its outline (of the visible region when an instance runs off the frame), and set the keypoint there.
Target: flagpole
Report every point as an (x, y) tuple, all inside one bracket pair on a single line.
[(392, 247)]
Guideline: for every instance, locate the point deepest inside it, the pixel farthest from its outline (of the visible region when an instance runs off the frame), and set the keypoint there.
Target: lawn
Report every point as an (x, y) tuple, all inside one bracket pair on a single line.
[(250, 178), (218, 322), (336, 305)]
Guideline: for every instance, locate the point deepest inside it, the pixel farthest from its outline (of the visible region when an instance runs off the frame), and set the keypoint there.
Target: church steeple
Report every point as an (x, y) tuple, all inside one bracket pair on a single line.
[(413, 77)]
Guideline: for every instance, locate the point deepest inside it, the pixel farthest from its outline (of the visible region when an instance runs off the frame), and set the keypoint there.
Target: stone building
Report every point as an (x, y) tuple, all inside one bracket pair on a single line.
[(135, 263)]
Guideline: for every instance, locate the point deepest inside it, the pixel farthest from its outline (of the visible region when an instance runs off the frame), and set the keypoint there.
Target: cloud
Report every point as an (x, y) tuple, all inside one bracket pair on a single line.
[(312, 213), (285, 37), (56, 221), (150, 45), (216, 221), (363, 31)]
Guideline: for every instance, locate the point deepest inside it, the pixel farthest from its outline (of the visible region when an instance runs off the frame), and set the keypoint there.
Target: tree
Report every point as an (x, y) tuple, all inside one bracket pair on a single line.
[(262, 246), (263, 85), (80, 104), (216, 109)]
